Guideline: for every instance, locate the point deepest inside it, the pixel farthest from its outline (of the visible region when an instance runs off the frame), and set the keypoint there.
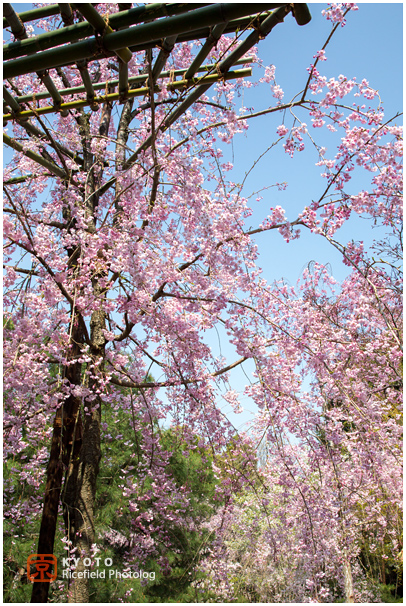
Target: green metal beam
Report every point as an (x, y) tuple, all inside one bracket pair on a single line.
[(211, 41), (66, 13), (75, 90), (19, 32), (261, 31), (166, 49), (149, 11), (301, 13), (87, 83), (50, 86), (13, 50), (101, 27), (123, 80), (147, 32), (14, 22), (36, 13), (10, 100), (78, 31), (232, 26), (138, 92)]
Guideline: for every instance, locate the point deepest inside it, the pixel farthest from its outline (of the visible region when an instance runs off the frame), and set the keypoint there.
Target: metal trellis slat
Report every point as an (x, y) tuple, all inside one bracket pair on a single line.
[(138, 92), (132, 80), (166, 26), (148, 32)]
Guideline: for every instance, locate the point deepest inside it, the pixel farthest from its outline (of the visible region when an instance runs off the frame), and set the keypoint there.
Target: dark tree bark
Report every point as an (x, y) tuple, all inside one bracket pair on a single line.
[(75, 448), (82, 481), (87, 471), (66, 432)]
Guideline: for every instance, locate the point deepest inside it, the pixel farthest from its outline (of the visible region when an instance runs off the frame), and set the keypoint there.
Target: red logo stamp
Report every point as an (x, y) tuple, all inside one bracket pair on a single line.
[(41, 567)]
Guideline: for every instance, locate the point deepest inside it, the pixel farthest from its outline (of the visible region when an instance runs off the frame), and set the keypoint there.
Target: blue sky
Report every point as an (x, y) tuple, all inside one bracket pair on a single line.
[(369, 46)]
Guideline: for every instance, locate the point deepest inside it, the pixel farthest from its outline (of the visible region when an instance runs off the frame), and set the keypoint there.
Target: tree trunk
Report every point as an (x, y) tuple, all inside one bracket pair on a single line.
[(82, 461), (83, 478), (65, 425), (68, 498), (88, 467), (348, 585)]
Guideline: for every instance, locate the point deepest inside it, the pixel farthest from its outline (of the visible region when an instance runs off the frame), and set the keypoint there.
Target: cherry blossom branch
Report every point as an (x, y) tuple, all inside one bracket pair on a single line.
[(30, 272), (170, 383), (334, 29), (351, 156), (378, 299)]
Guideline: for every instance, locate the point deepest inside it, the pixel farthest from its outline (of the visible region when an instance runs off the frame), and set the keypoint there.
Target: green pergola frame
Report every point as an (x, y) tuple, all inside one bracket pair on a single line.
[(87, 36)]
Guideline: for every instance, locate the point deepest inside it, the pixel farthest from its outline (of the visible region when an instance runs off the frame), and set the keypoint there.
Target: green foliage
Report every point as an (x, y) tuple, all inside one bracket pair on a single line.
[(239, 465), (19, 533), (389, 594), (122, 449), (8, 323), (190, 466)]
